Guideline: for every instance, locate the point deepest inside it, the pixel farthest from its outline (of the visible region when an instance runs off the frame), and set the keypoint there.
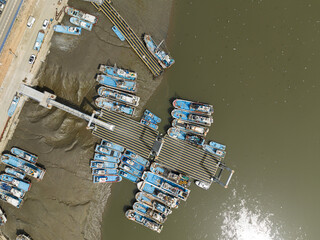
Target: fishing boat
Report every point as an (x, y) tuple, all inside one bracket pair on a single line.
[(102, 157), (137, 158), (22, 184), (13, 105), (190, 127), (80, 23), (9, 198), (106, 179), (147, 222), (175, 177), (214, 151), (217, 145), (17, 192), (130, 169), (151, 117), (3, 218), (159, 194), (67, 29), (128, 176), (28, 168), (115, 106), (107, 151), (166, 185), (102, 164), (163, 58), (133, 163), (104, 171), (15, 172), (121, 84), (203, 185), (24, 154), (81, 15), (147, 211), (191, 117), (178, 133), (196, 107), (118, 72), (149, 124), (119, 96), (118, 33), (153, 203), (111, 145)]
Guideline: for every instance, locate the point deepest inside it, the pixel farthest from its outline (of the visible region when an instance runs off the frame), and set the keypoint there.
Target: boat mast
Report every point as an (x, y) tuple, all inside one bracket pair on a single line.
[(159, 44)]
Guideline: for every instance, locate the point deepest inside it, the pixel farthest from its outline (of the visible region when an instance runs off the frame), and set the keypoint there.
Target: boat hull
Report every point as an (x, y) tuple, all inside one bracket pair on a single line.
[(106, 179), (104, 158), (196, 107), (131, 170), (80, 23), (9, 198), (111, 145), (149, 124), (23, 185), (129, 176), (191, 117), (120, 84), (148, 212), (147, 222), (217, 145), (107, 151), (102, 164), (115, 106), (116, 95), (118, 72), (153, 202), (104, 171), (190, 127), (214, 151), (133, 163), (24, 154), (189, 137), (67, 29), (80, 14), (144, 162)]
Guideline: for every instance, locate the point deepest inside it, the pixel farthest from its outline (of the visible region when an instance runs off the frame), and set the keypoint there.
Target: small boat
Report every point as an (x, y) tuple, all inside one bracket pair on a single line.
[(3, 218), (119, 96), (115, 106), (130, 169), (24, 154), (191, 117), (23, 237), (9, 198), (163, 58), (149, 124), (147, 222), (214, 151), (178, 133), (111, 145), (133, 163), (80, 23), (137, 158), (128, 176), (15, 172), (67, 29), (148, 212), (196, 107), (80, 14), (106, 179), (159, 194), (217, 145), (118, 72), (121, 84), (107, 151), (153, 203), (21, 184), (151, 117), (102, 164), (12, 190), (104, 158), (203, 185), (190, 127), (118, 33), (13, 105), (104, 171)]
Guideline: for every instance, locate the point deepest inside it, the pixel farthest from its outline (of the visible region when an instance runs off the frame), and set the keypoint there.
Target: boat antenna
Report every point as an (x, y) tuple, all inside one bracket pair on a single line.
[(115, 66)]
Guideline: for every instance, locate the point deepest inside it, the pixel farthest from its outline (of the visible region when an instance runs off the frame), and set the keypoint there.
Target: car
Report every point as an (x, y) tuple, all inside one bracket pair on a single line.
[(30, 22), (32, 59), (45, 24)]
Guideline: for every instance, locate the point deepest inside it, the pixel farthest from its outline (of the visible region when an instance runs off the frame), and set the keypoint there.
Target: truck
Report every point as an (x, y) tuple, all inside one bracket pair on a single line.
[(39, 40)]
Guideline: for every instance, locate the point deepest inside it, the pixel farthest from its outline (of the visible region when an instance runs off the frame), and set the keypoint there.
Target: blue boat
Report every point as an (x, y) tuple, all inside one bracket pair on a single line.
[(133, 163), (107, 151), (151, 117), (148, 212), (67, 29), (111, 145), (137, 158), (22, 184), (9, 198), (121, 84), (111, 105), (15, 172), (217, 145), (28, 168), (159, 194), (191, 117), (101, 164), (128, 176), (130, 169), (13, 106), (190, 127), (214, 151), (39, 40), (178, 133), (166, 185), (104, 158), (118, 72), (104, 171), (12, 190), (197, 107), (106, 179), (144, 221), (81, 23), (118, 33), (119, 96), (163, 58), (24, 154), (149, 124), (153, 203)]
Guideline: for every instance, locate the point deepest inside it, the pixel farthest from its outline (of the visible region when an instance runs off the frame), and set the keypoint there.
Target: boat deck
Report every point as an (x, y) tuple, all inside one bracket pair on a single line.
[(134, 41)]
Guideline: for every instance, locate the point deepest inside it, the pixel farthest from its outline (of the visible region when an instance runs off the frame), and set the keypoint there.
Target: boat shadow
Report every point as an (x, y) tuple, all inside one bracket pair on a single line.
[(204, 158)]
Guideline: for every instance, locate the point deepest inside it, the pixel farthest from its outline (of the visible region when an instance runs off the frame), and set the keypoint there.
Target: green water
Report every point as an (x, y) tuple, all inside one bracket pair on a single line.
[(257, 62)]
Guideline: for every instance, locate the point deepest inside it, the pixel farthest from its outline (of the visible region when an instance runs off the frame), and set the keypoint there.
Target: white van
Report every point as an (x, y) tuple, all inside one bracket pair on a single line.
[(31, 21)]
